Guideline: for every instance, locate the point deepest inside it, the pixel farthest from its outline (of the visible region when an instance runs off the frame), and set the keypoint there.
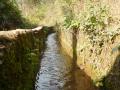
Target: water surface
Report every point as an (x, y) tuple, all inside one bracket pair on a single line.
[(57, 73)]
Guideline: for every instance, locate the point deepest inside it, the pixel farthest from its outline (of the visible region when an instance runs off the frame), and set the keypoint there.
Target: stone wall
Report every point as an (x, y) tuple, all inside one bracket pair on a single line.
[(20, 52), (100, 62)]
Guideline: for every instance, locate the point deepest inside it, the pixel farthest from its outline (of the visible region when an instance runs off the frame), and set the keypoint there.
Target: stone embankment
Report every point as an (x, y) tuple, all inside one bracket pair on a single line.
[(101, 61), (20, 51)]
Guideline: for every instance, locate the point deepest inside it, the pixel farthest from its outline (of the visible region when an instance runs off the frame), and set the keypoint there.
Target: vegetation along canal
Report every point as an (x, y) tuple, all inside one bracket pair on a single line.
[(56, 71)]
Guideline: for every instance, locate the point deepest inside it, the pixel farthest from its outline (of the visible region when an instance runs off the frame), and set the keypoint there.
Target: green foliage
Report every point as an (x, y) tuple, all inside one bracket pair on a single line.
[(21, 62), (68, 22), (9, 15), (94, 17)]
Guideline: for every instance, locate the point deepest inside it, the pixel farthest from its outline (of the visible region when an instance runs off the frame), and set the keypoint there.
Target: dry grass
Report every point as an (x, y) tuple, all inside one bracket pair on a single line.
[(51, 12)]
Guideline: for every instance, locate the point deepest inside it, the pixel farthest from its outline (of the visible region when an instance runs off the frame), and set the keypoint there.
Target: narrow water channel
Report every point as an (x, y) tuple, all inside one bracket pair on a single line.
[(56, 71)]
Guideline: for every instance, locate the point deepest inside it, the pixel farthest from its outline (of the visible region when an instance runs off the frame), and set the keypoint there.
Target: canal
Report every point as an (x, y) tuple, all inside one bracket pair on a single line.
[(56, 70)]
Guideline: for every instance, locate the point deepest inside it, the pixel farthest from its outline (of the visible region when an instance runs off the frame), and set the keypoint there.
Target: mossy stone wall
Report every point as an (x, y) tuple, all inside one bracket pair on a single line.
[(20, 52)]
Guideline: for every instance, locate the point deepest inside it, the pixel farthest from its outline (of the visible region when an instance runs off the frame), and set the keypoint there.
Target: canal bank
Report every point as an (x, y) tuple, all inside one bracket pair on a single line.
[(100, 62), (20, 51)]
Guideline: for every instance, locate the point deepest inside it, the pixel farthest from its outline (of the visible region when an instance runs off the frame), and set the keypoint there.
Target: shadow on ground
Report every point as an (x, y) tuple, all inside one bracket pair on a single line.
[(112, 80)]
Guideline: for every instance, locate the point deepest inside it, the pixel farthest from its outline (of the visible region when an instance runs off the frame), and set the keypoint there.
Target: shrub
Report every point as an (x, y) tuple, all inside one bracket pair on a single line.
[(10, 15), (93, 17)]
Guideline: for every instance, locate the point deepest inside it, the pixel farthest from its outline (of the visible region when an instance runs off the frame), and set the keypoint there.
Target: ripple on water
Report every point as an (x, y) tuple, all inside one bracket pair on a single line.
[(54, 71)]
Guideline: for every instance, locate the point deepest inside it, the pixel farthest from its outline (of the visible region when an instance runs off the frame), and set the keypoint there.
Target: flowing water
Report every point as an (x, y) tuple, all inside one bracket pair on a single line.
[(56, 71)]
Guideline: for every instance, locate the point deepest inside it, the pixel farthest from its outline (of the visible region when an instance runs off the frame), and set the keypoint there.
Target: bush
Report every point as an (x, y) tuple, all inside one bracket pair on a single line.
[(10, 15), (92, 18)]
